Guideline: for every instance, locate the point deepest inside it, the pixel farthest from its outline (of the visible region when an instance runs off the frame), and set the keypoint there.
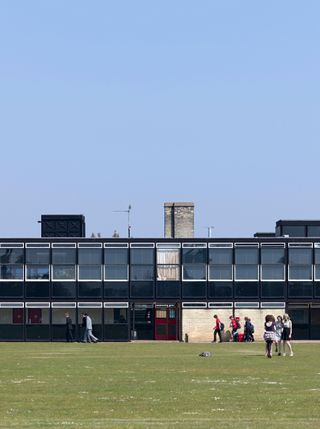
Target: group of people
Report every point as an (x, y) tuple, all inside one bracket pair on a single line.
[(278, 332), (86, 325), (235, 326)]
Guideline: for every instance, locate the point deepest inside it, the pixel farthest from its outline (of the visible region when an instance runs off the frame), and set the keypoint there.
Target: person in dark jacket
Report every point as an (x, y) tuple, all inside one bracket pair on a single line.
[(269, 333), (69, 328)]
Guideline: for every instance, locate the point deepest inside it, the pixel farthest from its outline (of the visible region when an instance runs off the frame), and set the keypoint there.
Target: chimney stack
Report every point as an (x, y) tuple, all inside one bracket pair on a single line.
[(178, 220)]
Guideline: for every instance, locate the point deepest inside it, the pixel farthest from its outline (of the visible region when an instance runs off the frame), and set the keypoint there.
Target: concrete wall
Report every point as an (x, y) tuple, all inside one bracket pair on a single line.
[(199, 323)]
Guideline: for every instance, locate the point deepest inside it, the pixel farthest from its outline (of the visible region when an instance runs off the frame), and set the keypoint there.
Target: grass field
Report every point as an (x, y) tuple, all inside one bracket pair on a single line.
[(157, 385)]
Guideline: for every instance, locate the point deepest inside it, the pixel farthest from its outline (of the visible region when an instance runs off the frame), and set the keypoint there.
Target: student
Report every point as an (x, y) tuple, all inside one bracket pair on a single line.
[(89, 333), (217, 329), (69, 328), (234, 325), (286, 334), (248, 330), (269, 334), (278, 334)]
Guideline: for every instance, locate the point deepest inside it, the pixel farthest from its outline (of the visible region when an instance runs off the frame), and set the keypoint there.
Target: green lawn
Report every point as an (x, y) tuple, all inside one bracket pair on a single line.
[(157, 385)]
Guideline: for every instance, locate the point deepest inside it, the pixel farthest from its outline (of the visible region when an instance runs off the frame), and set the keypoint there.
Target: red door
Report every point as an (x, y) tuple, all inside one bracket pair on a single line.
[(166, 322)]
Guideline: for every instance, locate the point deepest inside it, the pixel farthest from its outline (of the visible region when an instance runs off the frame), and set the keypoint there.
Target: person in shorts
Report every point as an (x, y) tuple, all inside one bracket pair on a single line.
[(217, 329), (269, 333)]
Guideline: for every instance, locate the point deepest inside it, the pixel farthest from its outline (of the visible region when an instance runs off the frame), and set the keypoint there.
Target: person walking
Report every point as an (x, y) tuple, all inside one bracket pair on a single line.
[(286, 334), (217, 330), (69, 328), (83, 336), (278, 334), (89, 333), (248, 330), (269, 334)]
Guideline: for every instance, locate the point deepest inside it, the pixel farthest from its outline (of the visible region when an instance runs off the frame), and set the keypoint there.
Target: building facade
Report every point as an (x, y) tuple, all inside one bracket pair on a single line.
[(156, 289)]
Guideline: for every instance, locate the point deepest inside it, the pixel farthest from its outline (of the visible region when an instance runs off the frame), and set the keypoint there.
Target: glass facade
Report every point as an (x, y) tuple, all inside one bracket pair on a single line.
[(143, 274)]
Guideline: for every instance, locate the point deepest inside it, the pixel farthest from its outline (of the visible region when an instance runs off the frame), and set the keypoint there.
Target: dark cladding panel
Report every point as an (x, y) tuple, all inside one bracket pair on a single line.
[(63, 226)]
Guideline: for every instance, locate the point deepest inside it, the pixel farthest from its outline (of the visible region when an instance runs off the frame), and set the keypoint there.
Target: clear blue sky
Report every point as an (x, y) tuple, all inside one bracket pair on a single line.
[(106, 103)]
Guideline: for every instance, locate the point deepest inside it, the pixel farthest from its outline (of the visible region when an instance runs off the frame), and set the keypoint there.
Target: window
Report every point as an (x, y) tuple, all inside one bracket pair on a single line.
[(168, 263), (194, 259), (300, 262), (89, 260), (246, 262), (63, 262), (142, 264), (317, 261), (116, 263), (11, 263), (272, 262), (220, 262), (37, 261)]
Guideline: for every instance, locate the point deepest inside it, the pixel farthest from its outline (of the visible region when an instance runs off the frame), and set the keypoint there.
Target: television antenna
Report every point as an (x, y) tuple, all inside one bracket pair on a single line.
[(128, 211)]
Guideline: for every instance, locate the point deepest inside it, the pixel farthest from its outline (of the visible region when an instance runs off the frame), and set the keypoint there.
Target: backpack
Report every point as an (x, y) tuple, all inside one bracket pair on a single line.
[(221, 326), (252, 329), (238, 324)]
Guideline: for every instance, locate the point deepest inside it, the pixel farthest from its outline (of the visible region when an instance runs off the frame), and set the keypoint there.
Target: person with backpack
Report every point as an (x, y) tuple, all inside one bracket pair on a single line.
[(219, 326), (235, 325), (248, 330)]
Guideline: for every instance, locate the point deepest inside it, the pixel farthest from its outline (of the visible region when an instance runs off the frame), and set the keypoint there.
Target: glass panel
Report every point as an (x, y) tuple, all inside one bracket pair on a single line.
[(168, 257), (246, 290), (89, 289), (194, 272), (300, 289), (142, 272), (38, 272), (11, 256), (11, 272), (194, 256), (89, 272), (246, 272), (63, 272), (11, 323), (38, 256), (37, 289), (272, 272), (116, 272), (220, 272), (64, 290), (116, 290), (168, 289), (64, 256), (90, 256), (194, 290), (142, 289), (168, 272), (115, 316), (313, 231), (272, 290), (11, 289), (300, 256), (220, 290), (317, 256), (221, 256), (115, 256), (271, 255), (294, 231), (245, 255), (302, 272), (37, 324), (142, 256), (317, 272)]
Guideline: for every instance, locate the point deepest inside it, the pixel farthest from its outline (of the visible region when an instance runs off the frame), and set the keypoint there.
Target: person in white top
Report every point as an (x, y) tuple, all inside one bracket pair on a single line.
[(90, 336), (286, 334)]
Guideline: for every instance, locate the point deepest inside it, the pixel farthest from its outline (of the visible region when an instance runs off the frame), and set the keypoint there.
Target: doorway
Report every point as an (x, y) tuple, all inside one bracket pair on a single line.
[(166, 326)]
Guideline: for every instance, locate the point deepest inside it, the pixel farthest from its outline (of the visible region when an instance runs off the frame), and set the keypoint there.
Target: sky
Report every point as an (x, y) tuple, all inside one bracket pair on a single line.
[(109, 103)]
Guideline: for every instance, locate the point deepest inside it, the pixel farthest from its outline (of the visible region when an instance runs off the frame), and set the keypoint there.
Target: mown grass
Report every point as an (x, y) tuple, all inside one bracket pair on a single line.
[(157, 385)]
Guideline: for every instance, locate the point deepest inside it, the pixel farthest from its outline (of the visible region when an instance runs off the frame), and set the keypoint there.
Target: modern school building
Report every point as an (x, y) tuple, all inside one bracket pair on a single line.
[(161, 288)]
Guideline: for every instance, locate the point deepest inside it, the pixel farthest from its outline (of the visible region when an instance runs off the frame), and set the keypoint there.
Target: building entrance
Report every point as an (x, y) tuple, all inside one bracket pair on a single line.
[(166, 322), (154, 322)]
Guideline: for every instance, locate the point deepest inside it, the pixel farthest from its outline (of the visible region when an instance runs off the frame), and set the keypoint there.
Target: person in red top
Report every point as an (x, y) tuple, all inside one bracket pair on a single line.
[(217, 329)]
